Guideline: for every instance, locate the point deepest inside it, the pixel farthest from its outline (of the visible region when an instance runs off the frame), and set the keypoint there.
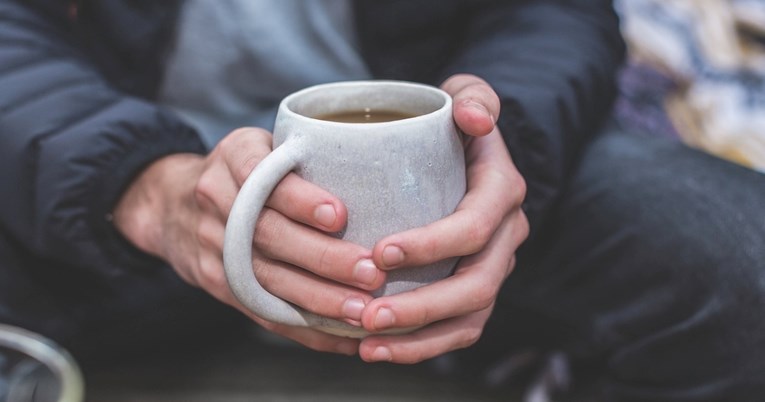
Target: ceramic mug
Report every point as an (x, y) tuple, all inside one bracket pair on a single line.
[(391, 176)]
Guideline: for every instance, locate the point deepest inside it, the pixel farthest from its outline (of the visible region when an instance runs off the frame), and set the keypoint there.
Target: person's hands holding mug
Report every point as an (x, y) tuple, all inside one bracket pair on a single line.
[(177, 208), (390, 150), (486, 229)]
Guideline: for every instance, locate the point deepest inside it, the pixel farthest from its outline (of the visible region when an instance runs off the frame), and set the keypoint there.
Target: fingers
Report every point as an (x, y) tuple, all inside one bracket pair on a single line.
[(243, 149), (448, 322), (429, 342), (305, 202), (277, 237), (324, 262), (313, 339), (230, 164), (276, 267), (488, 226), (310, 292), (211, 277), (476, 105), (495, 189), (473, 287), (216, 189), (322, 297), (464, 232), (437, 241), (294, 203)]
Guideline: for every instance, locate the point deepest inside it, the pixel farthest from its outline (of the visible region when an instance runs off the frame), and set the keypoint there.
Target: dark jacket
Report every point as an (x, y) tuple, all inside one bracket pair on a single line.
[(77, 121)]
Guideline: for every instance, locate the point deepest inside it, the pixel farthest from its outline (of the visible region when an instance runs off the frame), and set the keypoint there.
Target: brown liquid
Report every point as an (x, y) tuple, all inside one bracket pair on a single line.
[(365, 116)]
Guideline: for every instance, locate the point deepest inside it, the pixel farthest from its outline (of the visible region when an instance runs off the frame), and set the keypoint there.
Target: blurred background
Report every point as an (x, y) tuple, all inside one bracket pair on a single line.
[(697, 73)]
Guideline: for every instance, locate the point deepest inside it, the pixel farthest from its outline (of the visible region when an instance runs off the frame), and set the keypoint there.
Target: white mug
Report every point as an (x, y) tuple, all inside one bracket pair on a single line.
[(391, 176)]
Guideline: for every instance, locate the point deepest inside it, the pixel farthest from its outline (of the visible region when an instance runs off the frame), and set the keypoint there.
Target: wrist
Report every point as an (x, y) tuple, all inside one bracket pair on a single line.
[(152, 196)]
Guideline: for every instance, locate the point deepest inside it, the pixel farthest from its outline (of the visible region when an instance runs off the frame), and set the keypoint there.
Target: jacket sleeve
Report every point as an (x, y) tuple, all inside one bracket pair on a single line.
[(553, 63), (69, 146)]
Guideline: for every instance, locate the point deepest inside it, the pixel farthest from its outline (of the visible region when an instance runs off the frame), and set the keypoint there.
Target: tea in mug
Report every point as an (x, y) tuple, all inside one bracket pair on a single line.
[(365, 116)]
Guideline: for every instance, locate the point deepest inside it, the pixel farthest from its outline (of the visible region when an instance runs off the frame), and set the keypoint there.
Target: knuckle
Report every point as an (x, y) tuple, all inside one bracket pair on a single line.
[(312, 301), (226, 143), (520, 186), (326, 259), (204, 189), (233, 140), (484, 297), (470, 337), (188, 275), (268, 231), (244, 148), (212, 277), (421, 316), (409, 356), (516, 187), (524, 226), (336, 263), (511, 264), (418, 357), (206, 235), (478, 232), (264, 275), (480, 91), (429, 247), (480, 88), (246, 167)]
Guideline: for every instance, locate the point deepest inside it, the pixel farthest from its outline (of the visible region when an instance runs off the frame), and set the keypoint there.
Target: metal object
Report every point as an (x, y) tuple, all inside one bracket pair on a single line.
[(35, 369)]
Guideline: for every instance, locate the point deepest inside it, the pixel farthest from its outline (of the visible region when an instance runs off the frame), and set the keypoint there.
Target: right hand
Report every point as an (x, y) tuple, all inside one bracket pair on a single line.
[(177, 208)]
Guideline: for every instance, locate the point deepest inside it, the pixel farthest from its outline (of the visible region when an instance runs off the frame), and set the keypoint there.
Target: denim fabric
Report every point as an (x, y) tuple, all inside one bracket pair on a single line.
[(655, 266)]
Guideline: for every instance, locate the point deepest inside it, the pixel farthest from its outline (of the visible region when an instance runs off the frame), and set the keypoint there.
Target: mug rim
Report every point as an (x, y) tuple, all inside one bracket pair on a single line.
[(285, 106)]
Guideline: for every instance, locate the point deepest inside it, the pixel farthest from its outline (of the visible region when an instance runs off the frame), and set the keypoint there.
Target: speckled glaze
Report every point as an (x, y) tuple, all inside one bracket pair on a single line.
[(392, 176)]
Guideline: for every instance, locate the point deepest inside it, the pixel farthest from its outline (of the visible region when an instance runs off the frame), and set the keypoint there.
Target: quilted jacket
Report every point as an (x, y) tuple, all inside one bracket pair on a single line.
[(78, 120)]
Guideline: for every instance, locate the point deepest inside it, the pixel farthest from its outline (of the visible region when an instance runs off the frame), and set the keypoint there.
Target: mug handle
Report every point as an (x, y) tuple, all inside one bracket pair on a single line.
[(237, 247)]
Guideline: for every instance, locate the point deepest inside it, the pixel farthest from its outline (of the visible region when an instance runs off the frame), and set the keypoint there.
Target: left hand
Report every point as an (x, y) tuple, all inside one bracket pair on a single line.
[(486, 229)]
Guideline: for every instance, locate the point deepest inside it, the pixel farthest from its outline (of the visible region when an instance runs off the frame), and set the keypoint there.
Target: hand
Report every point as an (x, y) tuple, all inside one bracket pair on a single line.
[(177, 209), (486, 228)]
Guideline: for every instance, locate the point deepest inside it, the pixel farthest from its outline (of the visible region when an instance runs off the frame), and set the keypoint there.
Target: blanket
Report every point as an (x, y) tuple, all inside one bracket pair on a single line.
[(697, 73)]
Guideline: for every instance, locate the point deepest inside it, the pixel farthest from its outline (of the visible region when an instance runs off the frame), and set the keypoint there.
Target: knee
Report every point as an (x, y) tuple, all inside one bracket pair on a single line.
[(672, 201), (675, 218)]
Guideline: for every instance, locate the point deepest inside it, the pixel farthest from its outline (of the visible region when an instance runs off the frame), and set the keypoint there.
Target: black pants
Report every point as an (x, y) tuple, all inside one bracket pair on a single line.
[(654, 266)]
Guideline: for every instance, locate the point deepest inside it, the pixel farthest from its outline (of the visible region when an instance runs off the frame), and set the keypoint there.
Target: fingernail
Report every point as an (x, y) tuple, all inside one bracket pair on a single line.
[(365, 272), (325, 215), (353, 307), (392, 256), (381, 353), (384, 318), (346, 348)]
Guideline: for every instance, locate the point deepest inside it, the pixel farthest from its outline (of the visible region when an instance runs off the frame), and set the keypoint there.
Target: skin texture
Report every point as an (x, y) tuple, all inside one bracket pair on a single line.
[(177, 207)]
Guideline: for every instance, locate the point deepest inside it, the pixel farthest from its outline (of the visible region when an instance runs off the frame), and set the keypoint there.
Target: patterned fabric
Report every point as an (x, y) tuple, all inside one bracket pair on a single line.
[(697, 71)]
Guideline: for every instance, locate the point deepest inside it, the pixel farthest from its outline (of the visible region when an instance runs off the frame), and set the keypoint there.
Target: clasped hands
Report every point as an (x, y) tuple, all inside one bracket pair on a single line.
[(177, 208)]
